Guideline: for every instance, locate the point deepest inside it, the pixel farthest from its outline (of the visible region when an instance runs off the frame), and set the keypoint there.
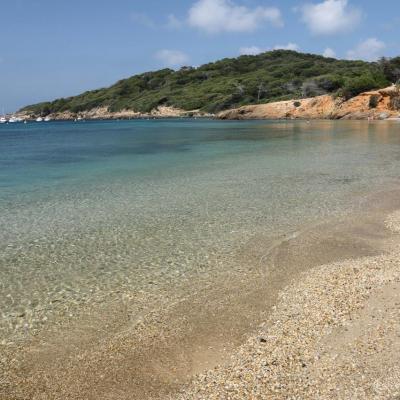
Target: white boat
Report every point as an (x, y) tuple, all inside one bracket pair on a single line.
[(3, 119), (12, 120), (47, 119), (39, 119)]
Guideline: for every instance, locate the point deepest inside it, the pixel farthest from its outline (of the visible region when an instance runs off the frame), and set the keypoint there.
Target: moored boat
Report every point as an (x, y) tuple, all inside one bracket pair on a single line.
[(3, 119)]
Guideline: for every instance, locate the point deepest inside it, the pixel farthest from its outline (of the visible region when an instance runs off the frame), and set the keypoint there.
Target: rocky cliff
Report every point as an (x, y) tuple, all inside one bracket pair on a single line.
[(100, 113), (379, 104)]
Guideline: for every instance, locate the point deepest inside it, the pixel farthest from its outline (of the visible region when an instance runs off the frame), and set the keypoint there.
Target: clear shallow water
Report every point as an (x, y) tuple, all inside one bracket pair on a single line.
[(89, 209)]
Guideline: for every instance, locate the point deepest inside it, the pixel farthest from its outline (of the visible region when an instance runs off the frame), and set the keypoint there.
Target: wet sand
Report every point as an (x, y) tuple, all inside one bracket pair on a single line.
[(153, 344), (334, 334)]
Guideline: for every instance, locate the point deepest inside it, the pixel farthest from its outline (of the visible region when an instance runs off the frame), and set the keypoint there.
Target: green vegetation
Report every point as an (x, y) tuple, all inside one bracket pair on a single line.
[(366, 81), (373, 101), (271, 76)]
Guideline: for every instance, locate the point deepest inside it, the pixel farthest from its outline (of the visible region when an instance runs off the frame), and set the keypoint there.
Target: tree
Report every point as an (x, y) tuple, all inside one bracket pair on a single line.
[(363, 83), (311, 88), (291, 86), (390, 68), (261, 89), (240, 88)]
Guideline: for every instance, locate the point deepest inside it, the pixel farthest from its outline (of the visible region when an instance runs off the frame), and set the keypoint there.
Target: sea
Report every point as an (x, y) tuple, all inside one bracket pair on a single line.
[(93, 209)]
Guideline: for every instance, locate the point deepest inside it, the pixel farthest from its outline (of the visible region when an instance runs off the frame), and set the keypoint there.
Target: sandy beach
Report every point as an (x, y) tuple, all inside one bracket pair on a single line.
[(328, 328), (200, 200), (332, 335)]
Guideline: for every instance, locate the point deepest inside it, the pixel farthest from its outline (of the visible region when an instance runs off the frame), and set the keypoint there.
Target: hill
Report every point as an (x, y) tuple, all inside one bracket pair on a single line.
[(232, 82)]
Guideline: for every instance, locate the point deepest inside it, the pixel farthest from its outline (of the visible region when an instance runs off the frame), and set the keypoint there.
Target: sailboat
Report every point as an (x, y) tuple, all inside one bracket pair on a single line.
[(3, 119)]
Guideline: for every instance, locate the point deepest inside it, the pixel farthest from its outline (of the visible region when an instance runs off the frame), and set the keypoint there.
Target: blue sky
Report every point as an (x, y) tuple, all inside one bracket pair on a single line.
[(56, 48)]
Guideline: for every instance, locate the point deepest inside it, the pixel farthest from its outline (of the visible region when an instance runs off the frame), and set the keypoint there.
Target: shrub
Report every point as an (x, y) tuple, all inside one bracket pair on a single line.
[(390, 68), (355, 86), (395, 103), (297, 103), (373, 101)]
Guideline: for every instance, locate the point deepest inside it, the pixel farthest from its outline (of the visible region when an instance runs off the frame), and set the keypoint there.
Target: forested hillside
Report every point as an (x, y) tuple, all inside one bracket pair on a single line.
[(270, 76)]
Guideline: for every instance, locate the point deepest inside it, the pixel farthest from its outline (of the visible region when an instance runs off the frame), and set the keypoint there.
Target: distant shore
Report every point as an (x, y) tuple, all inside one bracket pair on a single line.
[(103, 113), (380, 104)]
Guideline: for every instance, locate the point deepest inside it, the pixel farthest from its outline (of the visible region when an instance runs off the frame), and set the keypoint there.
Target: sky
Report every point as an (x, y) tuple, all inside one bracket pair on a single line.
[(58, 48)]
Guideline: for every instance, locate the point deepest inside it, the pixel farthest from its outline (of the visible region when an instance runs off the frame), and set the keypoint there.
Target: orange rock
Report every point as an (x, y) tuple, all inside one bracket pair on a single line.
[(322, 107)]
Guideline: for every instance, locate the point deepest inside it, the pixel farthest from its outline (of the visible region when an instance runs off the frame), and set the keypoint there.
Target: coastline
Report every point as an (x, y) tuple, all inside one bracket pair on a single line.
[(103, 113), (163, 349), (332, 334), (371, 105)]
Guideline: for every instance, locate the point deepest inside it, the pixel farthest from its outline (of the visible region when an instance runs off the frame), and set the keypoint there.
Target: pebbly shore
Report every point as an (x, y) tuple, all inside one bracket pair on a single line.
[(333, 334)]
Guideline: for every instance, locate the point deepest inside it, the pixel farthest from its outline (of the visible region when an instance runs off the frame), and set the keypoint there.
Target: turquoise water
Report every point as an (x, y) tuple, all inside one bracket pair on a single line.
[(95, 208)]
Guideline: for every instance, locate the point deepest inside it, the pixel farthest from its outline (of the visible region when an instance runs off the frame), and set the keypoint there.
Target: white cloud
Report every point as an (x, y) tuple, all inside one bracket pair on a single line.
[(213, 16), (289, 46), (370, 50), (172, 58), (174, 22), (330, 17), (250, 51), (329, 53), (142, 19)]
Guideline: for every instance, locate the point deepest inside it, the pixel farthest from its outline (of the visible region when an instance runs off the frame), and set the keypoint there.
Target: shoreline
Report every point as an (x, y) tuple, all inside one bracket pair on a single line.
[(211, 118), (381, 104), (162, 350), (372, 105), (104, 114), (332, 334)]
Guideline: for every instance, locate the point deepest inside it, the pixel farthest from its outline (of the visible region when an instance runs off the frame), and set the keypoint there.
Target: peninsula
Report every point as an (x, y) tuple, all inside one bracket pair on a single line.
[(282, 77)]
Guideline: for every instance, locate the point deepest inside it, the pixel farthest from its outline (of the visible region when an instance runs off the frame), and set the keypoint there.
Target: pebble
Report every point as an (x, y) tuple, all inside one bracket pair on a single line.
[(296, 361)]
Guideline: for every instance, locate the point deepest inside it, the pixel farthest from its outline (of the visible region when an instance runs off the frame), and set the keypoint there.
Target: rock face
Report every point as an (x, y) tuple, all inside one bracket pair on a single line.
[(104, 113), (379, 104)]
